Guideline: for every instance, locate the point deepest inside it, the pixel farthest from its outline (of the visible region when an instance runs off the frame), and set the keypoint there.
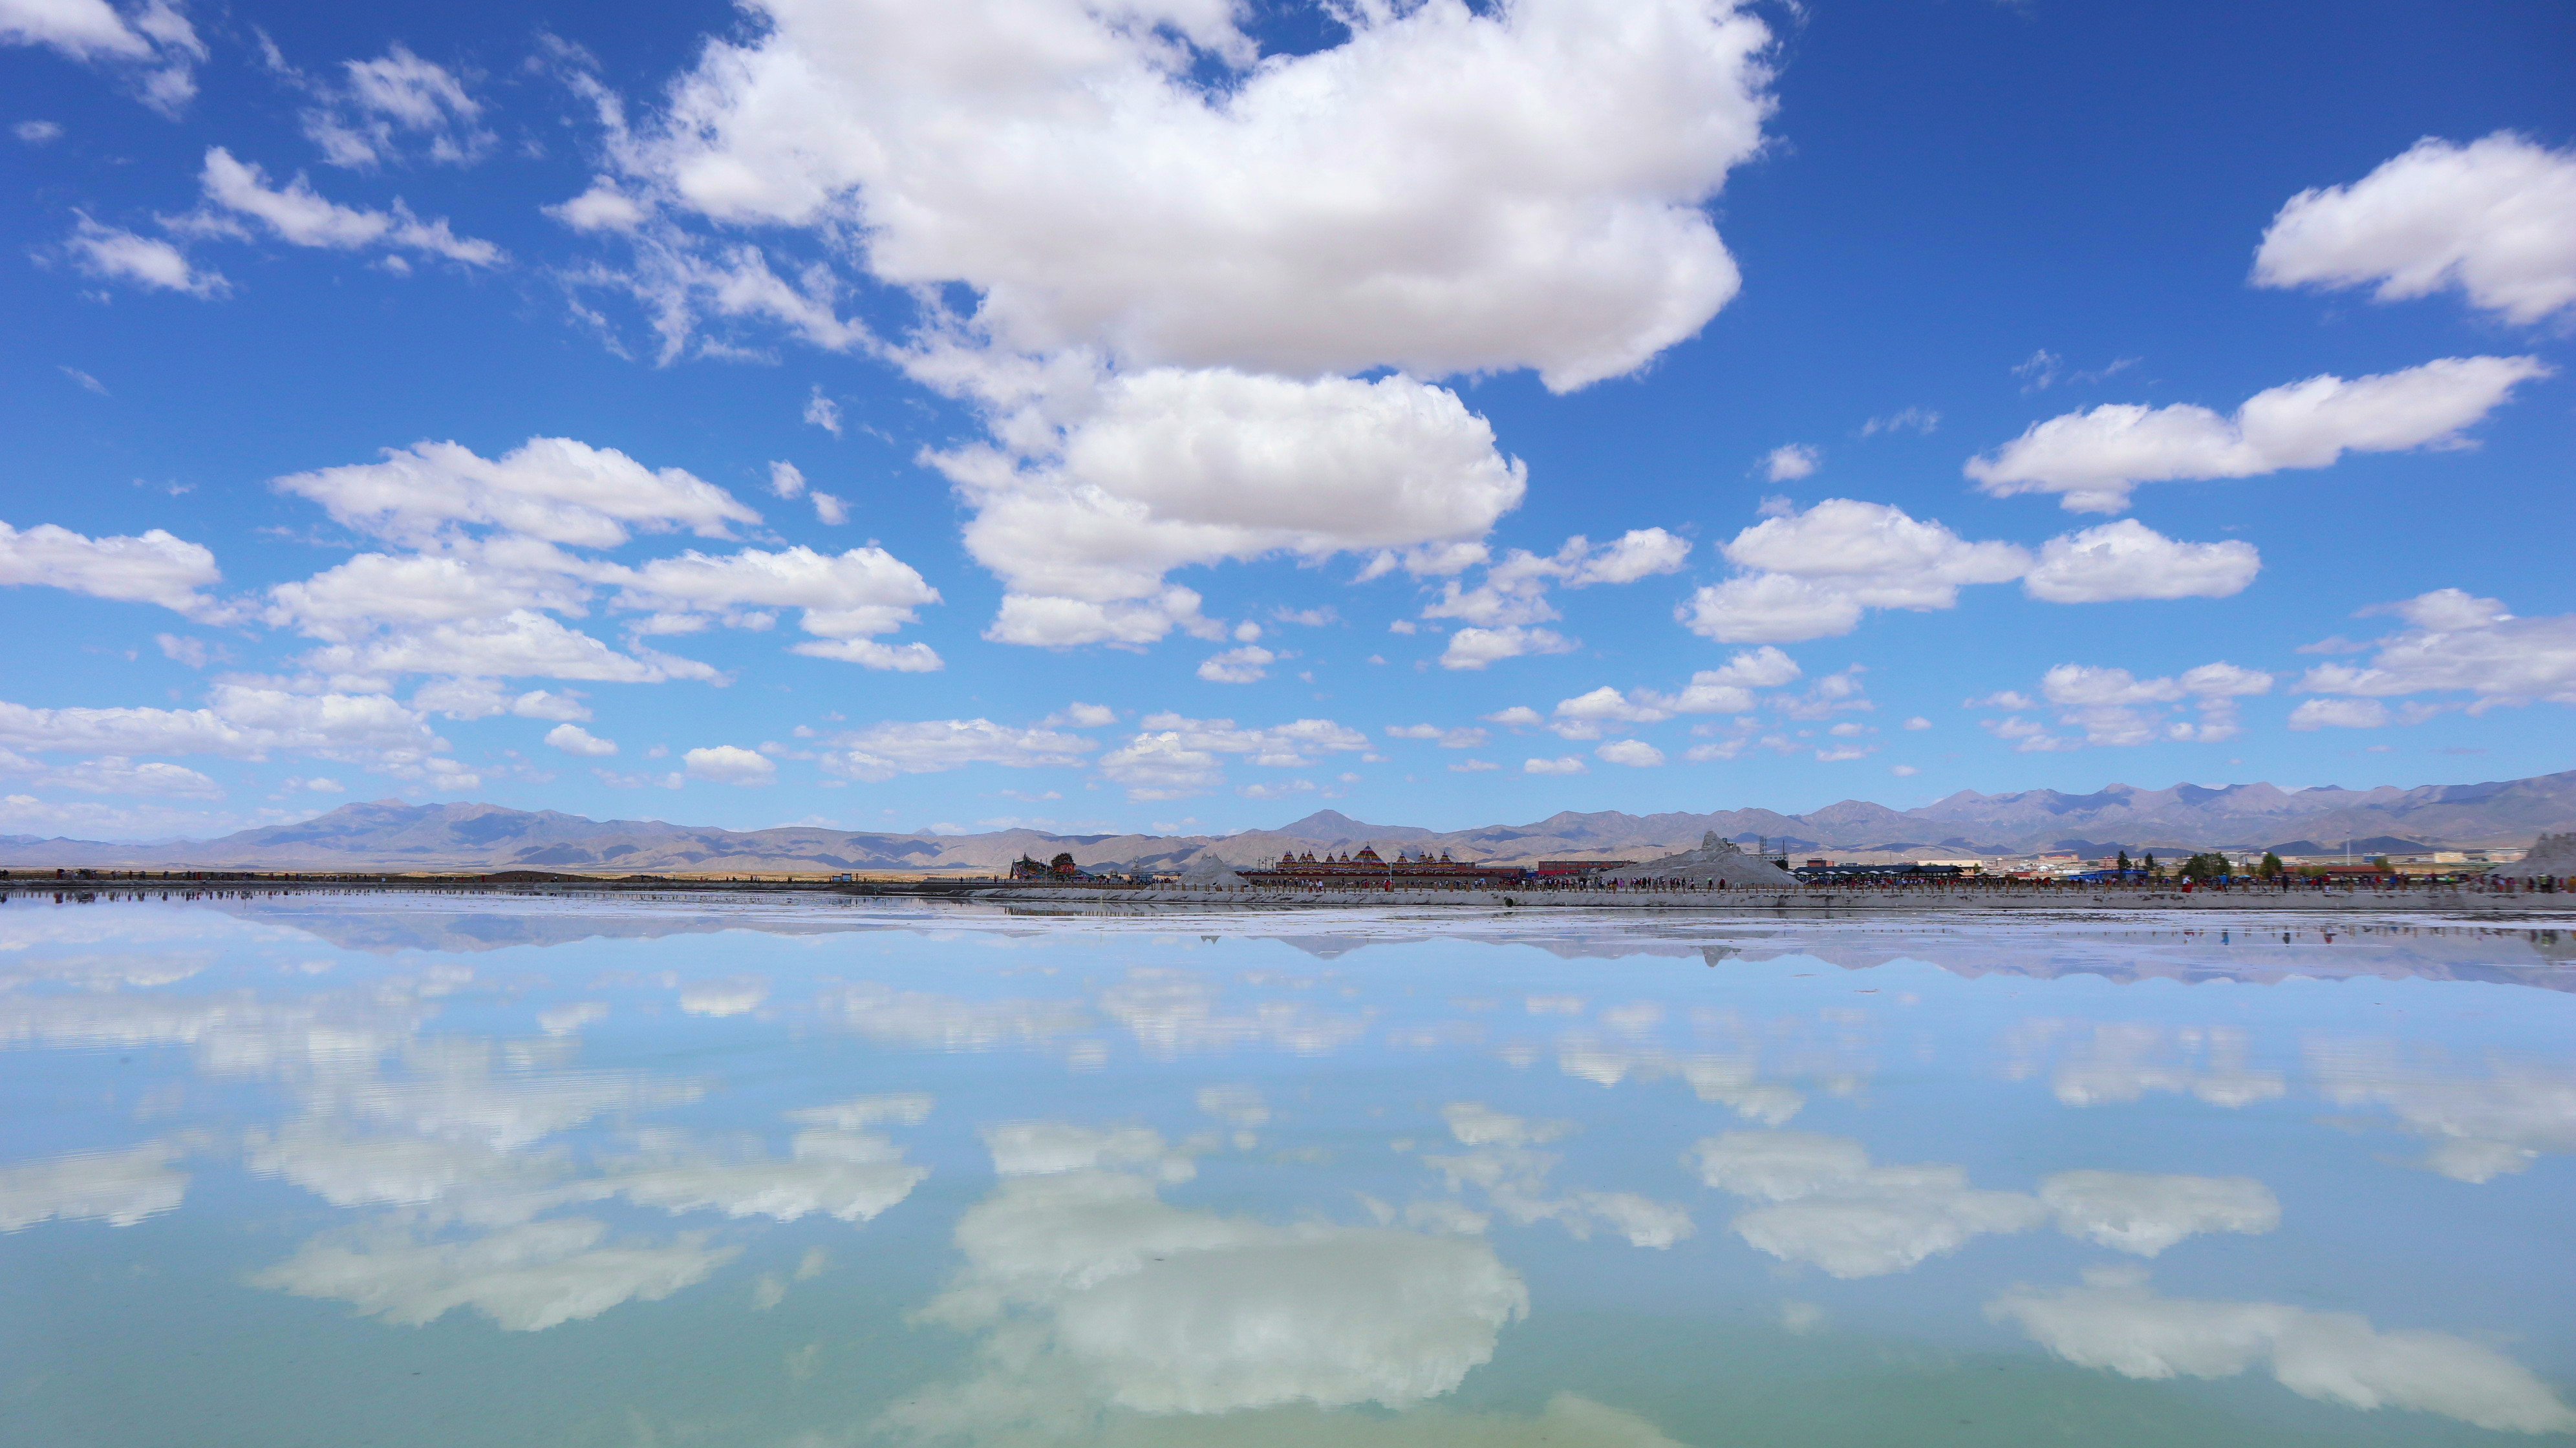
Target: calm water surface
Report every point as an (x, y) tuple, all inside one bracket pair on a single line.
[(417, 1171)]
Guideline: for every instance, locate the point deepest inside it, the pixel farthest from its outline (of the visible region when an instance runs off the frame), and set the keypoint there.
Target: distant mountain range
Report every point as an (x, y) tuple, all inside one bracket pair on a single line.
[(388, 834)]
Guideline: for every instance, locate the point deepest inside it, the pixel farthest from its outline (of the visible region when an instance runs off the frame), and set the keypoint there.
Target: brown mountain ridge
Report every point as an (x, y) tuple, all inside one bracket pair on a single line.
[(392, 835)]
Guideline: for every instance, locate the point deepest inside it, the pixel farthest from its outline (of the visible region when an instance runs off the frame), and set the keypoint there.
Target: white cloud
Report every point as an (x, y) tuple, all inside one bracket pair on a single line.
[(573, 739), (2455, 643), (914, 658), (1789, 462), (2114, 707), (2480, 1126), (786, 481), (1816, 574), (545, 704), (2093, 459), (362, 122), (519, 643), (862, 592), (1175, 757), (1046, 1148), (239, 722), (930, 746), (823, 412), (854, 1176), (1247, 665), (114, 774), (2082, 684), (1514, 590), (725, 996), (1168, 468), (2116, 1321), (119, 1188), (2128, 559), (1444, 191), (729, 764), (1135, 374), (1519, 716), (484, 698), (2340, 714), (830, 510), (1121, 1301), (1474, 648), (1911, 419), (526, 1278), (2495, 218), (1053, 622), (1637, 553), (37, 133), (1826, 1205), (154, 38), (605, 207), (1635, 753), (1503, 1161), (1810, 575), (300, 216), (1607, 705), (485, 580), (1567, 764), (901, 1108), (1727, 690), (152, 568), (114, 254), (2144, 1213), (549, 488), (1462, 738)]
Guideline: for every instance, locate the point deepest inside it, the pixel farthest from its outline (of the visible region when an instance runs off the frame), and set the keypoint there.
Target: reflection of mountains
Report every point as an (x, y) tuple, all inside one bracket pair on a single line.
[(379, 930), (2260, 954), (2542, 958)]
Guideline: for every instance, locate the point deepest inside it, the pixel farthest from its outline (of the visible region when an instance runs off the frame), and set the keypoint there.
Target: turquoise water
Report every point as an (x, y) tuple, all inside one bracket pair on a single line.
[(397, 1171)]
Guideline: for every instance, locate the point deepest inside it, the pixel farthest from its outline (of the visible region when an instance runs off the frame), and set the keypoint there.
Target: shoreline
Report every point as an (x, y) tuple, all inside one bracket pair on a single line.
[(2462, 904), (2520, 906)]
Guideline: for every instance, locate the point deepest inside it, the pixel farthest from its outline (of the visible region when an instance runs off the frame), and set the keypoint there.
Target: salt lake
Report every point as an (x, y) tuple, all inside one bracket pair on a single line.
[(420, 1170)]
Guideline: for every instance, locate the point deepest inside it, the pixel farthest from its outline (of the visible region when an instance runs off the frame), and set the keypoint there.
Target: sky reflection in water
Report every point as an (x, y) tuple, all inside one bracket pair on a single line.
[(412, 1170)]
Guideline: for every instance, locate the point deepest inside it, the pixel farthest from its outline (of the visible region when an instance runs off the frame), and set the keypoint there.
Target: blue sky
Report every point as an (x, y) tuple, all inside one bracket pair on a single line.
[(1109, 419)]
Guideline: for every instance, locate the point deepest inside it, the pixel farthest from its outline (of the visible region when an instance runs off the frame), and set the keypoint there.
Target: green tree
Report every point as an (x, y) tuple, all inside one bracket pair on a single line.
[(2124, 861), (2149, 865), (2205, 867), (2271, 867)]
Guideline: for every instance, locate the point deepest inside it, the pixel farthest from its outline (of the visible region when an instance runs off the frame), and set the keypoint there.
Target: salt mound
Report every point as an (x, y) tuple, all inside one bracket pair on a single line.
[(1206, 872), (1716, 861), (2549, 855)]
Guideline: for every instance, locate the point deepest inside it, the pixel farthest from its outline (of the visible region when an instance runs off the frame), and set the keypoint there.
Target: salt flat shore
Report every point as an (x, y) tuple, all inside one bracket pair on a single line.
[(2544, 908), (2461, 904)]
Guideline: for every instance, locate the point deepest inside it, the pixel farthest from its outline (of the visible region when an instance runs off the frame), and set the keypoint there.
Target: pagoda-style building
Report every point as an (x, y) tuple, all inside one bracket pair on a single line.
[(1028, 871), (1366, 869)]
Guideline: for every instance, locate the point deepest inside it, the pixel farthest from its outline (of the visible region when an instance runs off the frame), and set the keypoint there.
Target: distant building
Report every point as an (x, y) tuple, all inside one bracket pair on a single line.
[(1572, 869), (1062, 867), (1368, 870)]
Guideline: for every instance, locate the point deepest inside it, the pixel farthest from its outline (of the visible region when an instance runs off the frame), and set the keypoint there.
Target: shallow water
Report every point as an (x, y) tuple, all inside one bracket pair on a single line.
[(401, 1170)]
